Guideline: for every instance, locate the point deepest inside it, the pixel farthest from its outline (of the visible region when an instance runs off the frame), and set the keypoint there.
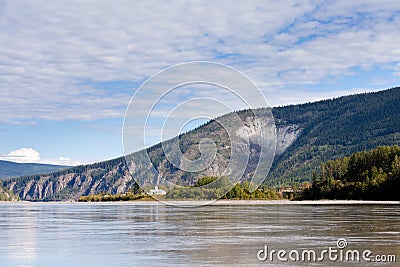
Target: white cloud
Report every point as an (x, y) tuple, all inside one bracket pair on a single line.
[(30, 155), (23, 155), (53, 50), (61, 161)]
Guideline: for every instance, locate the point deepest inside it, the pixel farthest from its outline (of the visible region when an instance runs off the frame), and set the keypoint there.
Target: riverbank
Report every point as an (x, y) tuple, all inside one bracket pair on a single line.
[(305, 202), (220, 202)]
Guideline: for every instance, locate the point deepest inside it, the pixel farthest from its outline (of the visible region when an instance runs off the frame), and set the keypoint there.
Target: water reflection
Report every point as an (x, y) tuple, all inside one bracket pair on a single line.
[(19, 230), (42, 234)]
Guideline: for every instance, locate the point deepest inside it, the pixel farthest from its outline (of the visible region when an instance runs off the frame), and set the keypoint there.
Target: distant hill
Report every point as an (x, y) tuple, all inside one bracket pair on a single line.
[(13, 169), (307, 135)]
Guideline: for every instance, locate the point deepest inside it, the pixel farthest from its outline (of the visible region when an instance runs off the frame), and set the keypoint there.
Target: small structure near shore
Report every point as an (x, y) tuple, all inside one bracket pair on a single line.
[(286, 192), (157, 191)]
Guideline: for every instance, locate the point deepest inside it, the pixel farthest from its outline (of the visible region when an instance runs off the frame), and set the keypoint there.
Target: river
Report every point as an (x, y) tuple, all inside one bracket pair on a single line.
[(153, 234)]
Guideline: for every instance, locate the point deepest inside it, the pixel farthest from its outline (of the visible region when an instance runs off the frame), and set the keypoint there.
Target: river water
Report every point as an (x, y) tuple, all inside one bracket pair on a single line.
[(152, 234)]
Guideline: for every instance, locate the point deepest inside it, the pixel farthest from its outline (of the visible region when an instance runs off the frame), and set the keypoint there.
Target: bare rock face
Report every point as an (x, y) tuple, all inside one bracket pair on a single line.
[(286, 136)]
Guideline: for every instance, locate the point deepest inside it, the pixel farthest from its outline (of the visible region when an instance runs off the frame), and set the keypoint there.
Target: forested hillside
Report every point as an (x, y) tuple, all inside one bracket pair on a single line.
[(336, 128)]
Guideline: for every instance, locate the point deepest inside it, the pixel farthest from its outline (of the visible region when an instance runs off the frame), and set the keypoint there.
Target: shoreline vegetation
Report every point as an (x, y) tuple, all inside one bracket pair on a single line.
[(206, 188)]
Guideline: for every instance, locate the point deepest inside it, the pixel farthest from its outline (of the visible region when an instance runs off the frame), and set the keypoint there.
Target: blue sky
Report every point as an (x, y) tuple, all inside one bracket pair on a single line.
[(68, 69)]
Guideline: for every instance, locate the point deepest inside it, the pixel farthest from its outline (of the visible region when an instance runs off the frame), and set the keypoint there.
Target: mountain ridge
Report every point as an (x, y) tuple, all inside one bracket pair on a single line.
[(307, 134)]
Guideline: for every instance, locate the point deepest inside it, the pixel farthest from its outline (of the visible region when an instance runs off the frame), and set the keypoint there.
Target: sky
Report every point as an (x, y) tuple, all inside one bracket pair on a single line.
[(68, 69)]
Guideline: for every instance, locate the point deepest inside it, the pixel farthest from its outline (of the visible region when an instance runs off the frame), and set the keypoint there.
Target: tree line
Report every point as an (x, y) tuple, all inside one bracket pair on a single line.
[(366, 175)]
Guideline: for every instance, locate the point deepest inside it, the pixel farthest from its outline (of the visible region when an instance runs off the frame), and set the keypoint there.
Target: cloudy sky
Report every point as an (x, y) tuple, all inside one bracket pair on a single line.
[(68, 69)]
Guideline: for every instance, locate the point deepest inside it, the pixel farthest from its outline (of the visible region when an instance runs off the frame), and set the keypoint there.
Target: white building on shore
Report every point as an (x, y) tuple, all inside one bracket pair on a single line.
[(157, 191)]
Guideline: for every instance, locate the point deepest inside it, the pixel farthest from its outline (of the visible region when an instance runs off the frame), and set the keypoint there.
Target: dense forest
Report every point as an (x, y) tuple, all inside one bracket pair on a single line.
[(366, 175)]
